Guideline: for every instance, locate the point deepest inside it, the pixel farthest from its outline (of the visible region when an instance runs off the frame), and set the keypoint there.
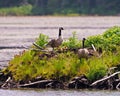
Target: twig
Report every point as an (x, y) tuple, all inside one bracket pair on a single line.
[(93, 47), (37, 46), (95, 51), (117, 87), (6, 82)]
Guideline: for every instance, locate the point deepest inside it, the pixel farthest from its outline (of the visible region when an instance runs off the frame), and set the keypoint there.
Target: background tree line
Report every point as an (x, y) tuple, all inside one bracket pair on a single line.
[(65, 7)]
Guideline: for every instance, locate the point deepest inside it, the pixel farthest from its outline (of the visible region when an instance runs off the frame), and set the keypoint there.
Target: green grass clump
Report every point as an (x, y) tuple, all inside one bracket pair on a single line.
[(108, 41), (28, 65), (16, 11), (42, 40), (113, 31), (72, 42), (97, 69), (97, 40), (113, 35)]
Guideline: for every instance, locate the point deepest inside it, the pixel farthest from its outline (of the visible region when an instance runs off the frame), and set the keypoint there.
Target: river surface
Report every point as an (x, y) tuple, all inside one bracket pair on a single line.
[(18, 33), (40, 92)]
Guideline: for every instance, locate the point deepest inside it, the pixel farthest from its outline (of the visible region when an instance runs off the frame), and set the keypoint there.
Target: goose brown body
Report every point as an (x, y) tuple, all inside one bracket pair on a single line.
[(56, 42), (83, 52)]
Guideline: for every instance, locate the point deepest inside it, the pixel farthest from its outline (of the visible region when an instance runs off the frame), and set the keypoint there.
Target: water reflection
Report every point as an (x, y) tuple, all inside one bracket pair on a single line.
[(50, 92)]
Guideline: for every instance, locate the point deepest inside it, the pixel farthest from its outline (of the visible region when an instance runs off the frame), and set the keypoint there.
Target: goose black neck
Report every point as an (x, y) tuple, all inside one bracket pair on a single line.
[(59, 32), (83, 43)]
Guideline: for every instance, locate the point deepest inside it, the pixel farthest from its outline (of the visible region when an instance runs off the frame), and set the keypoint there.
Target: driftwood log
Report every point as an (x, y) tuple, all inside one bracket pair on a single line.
[(44, 84), (104, 79), (37, 84)]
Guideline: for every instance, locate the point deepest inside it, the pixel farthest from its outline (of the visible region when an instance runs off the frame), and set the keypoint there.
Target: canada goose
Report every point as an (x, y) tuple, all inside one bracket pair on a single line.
[(56, 42), (83, 52)]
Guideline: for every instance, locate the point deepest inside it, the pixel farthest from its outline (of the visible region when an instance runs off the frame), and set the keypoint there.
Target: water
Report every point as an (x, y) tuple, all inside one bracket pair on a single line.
[(40, 92), (19, 32)]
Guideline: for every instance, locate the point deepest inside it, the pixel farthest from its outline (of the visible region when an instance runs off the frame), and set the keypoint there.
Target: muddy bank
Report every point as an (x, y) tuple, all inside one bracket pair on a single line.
[(111, 82)]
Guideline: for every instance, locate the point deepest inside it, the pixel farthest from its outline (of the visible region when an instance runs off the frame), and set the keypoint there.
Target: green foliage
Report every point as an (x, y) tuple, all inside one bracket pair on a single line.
[(108, 41), (113, 35), (19, 65), (72, 42), (113, 31), (28, 66), (16, 11), (66, 64), (97, 69), (97, 40), (65, 7), (42, 40)]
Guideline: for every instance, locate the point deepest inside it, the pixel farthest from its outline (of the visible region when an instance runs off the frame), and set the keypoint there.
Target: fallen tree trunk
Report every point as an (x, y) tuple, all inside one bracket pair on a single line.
[(103, 79)]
